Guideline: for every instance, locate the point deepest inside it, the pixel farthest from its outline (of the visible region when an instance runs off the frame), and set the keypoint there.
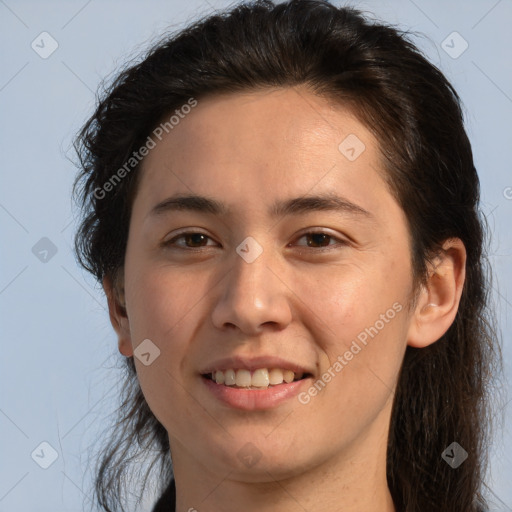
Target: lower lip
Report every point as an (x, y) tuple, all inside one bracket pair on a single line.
[(254, 399)]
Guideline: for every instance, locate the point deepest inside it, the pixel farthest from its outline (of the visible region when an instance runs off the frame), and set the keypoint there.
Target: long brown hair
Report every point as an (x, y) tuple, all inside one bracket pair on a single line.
[(443, 392)]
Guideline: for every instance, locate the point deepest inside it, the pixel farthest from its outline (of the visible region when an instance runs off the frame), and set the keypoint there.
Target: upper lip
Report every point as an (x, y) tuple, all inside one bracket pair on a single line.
[(254, 363)]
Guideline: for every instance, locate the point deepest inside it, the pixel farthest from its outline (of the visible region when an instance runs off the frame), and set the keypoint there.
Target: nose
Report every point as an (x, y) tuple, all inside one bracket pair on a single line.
[(253, 296)]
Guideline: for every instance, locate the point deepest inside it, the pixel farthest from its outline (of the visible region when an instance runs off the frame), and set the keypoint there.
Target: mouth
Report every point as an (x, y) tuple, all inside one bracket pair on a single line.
[(261, 389), (259, 379)]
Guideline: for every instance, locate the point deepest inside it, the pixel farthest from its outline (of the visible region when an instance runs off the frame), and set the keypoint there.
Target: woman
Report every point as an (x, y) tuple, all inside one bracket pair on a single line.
[(347, 373)]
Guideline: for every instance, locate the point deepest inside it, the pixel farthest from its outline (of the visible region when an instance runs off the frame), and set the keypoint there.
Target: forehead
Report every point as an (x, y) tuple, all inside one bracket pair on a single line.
[(282, 120), (267, 144)]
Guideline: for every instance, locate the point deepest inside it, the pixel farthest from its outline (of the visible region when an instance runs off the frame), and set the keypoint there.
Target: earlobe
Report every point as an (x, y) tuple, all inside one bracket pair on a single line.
[(118, 315), (439, 298)]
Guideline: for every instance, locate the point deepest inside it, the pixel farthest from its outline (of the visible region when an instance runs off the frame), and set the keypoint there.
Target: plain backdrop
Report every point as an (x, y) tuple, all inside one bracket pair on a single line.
[(59, 352)]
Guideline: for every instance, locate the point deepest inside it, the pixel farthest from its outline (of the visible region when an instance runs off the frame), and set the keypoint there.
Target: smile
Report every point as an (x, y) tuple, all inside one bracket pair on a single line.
[(256, 390), (261, 378)]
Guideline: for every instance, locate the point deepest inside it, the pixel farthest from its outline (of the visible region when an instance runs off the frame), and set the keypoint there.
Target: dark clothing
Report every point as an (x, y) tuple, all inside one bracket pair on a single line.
[(167, 502)]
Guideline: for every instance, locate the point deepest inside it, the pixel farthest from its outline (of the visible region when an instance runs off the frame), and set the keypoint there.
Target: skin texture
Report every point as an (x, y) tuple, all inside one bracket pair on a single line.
[(296, 302)]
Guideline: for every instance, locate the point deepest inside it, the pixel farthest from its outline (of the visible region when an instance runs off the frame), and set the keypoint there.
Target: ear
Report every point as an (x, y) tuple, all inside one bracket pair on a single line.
[(438, 300), (118, 315)]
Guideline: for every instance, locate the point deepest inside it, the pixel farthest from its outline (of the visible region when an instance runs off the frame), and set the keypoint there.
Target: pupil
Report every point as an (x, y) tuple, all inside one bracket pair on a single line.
[(318, 237), (194, 238)]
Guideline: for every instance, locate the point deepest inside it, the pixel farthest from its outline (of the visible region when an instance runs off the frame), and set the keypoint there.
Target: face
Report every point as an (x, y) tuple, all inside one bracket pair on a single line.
[(320, 287)]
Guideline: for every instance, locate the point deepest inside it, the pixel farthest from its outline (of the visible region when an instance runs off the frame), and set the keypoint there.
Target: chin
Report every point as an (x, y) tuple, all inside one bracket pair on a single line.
[(259, 459)]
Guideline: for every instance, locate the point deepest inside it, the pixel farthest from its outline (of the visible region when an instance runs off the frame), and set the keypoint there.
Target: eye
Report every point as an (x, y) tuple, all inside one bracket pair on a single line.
[(194, 238), (322, 239)]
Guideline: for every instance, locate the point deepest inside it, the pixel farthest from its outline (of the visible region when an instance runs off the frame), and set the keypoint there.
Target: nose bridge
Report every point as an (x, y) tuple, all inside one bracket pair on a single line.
[(250, 272), (252, 295)]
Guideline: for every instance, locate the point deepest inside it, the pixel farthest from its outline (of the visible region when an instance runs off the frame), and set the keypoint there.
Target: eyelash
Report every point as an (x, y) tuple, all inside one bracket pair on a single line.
[(340, 241)]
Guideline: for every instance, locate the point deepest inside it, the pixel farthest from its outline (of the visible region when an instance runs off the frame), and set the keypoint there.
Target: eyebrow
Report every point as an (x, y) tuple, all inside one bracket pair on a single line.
[(294, 206)]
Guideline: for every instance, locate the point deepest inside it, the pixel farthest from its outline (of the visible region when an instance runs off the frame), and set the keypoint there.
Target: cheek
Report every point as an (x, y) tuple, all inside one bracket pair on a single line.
[(349, 299), (161, 299), (361, 312), (162, 305), (361, 352)]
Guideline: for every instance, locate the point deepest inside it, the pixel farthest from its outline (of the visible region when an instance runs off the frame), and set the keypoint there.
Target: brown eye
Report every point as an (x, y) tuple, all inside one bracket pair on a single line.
[(321, 239), (315, 239), (192, 240), (197, 240)]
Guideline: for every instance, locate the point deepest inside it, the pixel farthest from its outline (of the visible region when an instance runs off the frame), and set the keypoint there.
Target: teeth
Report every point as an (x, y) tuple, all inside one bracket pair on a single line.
[(243, 378), (288, 376), (229, 377), (275, 376), (260, 378)]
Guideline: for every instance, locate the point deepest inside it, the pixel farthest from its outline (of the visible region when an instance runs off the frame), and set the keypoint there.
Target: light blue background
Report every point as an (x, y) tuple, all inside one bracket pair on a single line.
[(59, 351)]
